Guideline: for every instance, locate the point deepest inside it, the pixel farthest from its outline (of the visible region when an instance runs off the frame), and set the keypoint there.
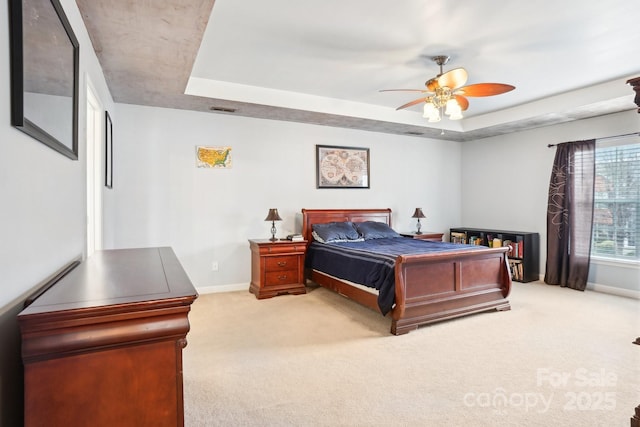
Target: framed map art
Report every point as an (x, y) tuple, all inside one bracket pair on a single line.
[(213, 157), (342, 167)]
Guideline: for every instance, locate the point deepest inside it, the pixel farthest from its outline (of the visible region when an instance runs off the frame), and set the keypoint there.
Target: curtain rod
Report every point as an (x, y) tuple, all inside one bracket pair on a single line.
[(605, 137)]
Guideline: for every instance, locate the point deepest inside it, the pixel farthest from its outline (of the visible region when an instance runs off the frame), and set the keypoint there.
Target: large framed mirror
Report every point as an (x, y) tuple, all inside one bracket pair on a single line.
[(44, 74)]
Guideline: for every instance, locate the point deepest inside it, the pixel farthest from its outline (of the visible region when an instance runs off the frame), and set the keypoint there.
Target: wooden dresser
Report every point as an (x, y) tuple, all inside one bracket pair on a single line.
[(103, 345), (277, 267)]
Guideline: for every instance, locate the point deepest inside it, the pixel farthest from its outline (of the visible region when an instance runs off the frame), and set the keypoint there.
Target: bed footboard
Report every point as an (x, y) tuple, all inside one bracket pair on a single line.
[(449, 285)]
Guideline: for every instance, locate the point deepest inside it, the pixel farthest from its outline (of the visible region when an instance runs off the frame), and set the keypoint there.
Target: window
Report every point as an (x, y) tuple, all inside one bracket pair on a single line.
[(616, 216)]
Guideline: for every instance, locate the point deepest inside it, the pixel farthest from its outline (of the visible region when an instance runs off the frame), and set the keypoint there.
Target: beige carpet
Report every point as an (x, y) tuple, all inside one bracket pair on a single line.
[(560, 357)]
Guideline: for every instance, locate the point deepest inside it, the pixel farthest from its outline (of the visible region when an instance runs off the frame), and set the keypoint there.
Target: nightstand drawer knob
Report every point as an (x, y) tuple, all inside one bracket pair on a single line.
[(282, 263), (283, 277)]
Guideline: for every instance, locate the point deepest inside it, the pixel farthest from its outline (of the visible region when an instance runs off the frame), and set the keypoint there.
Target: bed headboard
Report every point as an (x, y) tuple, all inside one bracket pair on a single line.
[(319, 216)]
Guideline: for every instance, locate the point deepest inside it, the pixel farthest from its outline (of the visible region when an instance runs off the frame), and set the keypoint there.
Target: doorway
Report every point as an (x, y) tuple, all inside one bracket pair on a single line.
[(95, 170)]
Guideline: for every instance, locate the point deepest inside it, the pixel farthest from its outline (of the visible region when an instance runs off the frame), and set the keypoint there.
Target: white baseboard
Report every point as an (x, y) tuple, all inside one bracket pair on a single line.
[(629, 293), (605, 289), (223, 288)]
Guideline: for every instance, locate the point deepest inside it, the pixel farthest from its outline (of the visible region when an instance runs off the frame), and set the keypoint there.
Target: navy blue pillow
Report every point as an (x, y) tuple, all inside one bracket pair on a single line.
[(335, 232), (375, 230)]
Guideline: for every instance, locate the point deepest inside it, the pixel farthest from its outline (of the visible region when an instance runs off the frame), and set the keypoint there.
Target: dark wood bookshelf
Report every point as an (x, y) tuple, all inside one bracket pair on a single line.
[(524, 258)]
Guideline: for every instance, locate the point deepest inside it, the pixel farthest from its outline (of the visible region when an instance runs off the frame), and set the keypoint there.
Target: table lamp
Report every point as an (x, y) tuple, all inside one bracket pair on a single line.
[(273, 217), (418, 214)]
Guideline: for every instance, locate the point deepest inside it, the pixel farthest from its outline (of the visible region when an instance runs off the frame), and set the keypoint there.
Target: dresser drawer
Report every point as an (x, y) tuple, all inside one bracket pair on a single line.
[(279, 263), (285, 277)]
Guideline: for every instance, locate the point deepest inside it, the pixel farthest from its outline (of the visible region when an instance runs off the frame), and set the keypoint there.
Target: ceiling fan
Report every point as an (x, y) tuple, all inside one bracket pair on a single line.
[(447, 92)]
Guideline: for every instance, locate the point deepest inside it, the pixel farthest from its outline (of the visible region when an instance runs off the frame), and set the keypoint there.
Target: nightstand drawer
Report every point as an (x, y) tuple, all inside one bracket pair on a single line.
[(278, 263), (285, 277)]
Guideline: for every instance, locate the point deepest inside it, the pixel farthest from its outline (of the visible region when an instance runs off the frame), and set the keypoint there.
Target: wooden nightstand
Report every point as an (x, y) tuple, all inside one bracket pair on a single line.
[(425, 235), (277, 267)]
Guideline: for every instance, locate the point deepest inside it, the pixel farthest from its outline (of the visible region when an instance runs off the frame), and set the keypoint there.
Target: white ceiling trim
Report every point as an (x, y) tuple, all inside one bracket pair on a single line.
[(612, 92), (299, 101)]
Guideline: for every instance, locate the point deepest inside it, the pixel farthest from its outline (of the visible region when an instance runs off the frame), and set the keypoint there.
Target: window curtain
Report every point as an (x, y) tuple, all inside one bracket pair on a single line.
[(570, 215)]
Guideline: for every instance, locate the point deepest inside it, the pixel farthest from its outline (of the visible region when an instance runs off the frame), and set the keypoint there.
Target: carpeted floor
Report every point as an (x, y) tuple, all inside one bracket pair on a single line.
[(559, 357)]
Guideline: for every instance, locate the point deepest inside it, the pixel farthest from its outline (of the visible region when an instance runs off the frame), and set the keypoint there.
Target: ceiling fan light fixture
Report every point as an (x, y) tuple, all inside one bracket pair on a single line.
[(453, 109), (431, 112), (428, 109), (435, 118), (447, 93)]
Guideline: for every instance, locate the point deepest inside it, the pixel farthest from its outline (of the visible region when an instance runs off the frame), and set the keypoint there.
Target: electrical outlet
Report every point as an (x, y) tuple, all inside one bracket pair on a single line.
[(214, 266)]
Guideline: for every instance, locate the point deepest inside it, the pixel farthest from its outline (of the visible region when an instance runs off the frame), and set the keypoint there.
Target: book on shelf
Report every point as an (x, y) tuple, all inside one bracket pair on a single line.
[(457, 237), (475, 240), (295, 237), (516, 247), (515, 252), (516, 269)]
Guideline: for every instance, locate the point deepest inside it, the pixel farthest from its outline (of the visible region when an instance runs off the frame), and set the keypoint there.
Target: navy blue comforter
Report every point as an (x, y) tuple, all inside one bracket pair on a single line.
[(372, 262)]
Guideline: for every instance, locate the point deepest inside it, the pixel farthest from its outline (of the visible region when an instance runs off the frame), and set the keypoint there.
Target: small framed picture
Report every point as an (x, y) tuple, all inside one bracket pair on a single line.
[(342, 167), (213, 157)]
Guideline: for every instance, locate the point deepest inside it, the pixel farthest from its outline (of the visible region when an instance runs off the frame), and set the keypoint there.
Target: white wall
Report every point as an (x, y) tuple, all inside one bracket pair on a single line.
[(42, 209), (206, 215), (505, 182), (43, 193)]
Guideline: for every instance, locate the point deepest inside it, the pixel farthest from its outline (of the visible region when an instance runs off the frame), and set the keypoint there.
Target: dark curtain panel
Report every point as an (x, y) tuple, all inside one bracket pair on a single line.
[(570, 215)]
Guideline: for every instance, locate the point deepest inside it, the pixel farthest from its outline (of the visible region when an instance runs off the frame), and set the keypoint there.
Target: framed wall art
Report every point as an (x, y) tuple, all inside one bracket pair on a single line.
[(108, 156), (44, 74), (342, 167), (213, 157)]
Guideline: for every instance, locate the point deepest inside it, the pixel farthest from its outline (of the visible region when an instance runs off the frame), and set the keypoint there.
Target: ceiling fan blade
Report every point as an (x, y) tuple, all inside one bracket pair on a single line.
[(484, 89), (462, 102), (432, 84), (411, 103), (403, 90), (453, 78)]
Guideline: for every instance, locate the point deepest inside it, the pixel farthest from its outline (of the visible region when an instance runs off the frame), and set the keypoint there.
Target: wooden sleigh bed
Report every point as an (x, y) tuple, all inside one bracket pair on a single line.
[(428, 287)]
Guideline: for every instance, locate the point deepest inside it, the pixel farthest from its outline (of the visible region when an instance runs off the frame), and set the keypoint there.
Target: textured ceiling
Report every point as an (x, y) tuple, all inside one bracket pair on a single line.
[(324, 62)]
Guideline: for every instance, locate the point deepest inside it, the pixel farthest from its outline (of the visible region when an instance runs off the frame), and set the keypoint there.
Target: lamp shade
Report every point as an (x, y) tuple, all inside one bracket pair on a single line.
[(431, 112), (273, 215), (418, 213)]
